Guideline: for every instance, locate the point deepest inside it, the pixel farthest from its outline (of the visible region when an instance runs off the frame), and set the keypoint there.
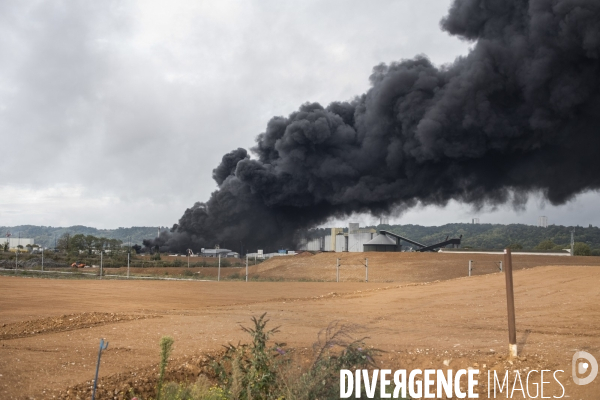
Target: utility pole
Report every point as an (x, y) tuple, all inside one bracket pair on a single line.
[(128, 256), (510, 304)]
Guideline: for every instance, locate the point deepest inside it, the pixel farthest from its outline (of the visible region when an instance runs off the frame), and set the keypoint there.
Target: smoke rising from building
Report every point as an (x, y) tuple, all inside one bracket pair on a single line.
[(519, 114)]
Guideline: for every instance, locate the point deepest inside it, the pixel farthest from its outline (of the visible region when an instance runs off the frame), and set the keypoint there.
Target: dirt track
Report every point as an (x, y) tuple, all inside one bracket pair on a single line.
[(461, 320)]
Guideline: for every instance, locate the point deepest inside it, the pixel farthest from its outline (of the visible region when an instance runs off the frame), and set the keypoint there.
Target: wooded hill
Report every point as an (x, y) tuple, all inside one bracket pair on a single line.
[(476, 236), (497, 236), (45, 235)]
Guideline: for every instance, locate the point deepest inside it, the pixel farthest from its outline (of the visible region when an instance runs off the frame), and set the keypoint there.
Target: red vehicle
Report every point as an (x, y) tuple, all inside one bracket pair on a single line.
[(78, 264)]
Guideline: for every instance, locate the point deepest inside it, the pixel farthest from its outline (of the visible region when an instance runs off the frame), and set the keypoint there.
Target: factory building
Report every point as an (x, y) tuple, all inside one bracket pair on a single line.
[(13, 243), (340, 241), (383, 243), (363, 240)]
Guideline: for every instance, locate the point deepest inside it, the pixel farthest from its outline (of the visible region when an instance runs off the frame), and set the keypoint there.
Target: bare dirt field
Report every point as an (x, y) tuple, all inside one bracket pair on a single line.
[(430, 314)]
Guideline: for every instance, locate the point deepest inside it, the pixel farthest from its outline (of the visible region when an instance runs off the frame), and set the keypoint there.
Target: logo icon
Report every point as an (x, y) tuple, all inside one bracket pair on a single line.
[(580, 368)]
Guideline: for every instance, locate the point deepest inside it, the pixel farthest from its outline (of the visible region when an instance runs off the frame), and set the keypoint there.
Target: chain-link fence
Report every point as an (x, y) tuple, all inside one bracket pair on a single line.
[(401, 268)]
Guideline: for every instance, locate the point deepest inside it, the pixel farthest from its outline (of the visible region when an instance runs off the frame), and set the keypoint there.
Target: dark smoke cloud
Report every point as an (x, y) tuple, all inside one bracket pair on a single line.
[(519, 114)]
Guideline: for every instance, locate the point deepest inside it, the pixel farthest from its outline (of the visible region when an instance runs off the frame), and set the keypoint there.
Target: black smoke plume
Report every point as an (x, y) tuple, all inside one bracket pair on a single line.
[(519, 114)]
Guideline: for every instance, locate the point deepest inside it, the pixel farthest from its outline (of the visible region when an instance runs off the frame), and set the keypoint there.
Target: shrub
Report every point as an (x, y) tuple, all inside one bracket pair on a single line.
[(335, 349), (166, 346), (250, 370), (581, 249), (201, 390), (259, 370)]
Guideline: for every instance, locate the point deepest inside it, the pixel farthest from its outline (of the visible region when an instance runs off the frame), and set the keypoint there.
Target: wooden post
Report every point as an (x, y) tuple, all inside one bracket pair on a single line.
[(246, 267), (510, 303), (338, 270), (366, 270)]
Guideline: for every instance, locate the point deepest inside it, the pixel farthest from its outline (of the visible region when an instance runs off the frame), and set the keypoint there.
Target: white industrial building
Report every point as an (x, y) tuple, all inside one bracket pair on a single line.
[(14, 242), (340, 241)]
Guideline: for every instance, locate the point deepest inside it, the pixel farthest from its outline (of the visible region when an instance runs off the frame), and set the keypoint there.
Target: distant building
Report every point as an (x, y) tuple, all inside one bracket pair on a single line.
[(14, 242), (225, 253), (543, 221), (475, 221), (338, 241)]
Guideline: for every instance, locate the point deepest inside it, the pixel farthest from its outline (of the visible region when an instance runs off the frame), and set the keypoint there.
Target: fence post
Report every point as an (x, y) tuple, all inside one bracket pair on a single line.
[(366, 270), (338, 270), (246, 267), (500, 266), (470, 266), (103, 346), (510, 304), (219, 269)]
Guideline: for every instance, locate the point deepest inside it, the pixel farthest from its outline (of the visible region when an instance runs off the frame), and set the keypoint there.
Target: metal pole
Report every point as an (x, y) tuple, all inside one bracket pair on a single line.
[(100, 264), (42, 258), (573, 242), (500, 266), (16, 259), (219, 273), (510, 303), (470, 267), (103, 346), (338, 270), (246, 267), (366, 270), (128, 256)]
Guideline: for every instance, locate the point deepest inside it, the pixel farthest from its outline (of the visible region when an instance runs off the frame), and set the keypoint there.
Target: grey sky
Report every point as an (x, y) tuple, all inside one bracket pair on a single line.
[(115, 113)]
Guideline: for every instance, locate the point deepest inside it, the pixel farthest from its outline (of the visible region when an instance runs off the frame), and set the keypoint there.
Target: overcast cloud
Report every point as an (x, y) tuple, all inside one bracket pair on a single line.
[(115, 113)]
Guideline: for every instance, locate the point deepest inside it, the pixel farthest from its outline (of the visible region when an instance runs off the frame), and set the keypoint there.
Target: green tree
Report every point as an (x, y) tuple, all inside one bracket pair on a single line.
[(581, 249), (515, 246), (77, 242), (545, 245), (64, 242)]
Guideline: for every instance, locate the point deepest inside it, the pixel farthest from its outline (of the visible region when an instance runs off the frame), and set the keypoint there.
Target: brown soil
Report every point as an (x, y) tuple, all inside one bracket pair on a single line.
[(63, 323), (458, 321)]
